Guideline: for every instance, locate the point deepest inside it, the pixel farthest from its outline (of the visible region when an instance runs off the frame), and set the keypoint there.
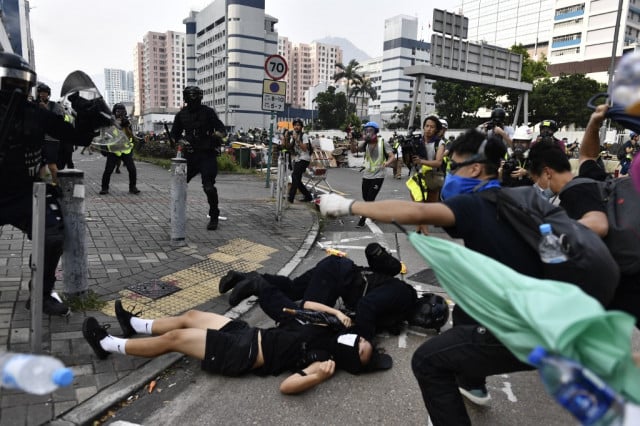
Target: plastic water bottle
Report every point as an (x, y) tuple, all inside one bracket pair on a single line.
[(550, 247), (179, 152), (579, 390), (35, 374)]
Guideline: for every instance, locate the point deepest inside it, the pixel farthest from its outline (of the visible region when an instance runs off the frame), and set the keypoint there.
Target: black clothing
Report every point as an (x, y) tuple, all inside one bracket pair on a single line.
[(511, 165), (110, 165), (476, 224), (232, 350), (299, 168), (20, 162), (199, 125), (586, 197), (467, 353)]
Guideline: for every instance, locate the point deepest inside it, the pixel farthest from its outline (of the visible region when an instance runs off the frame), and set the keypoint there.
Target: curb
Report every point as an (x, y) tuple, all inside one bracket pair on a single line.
[(111, 395)]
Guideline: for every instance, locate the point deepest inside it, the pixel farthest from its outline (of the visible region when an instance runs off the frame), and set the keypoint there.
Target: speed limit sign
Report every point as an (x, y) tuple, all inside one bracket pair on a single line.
[(276, 67)]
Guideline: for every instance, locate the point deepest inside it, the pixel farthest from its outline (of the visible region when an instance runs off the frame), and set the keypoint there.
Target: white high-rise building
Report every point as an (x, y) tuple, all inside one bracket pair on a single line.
[(227, 43), (402, 49), (372, 71), (118, 86), (583, 33), (509, 22)]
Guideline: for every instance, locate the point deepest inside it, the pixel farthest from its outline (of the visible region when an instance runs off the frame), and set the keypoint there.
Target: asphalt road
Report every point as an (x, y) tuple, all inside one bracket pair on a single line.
[(185, 395)]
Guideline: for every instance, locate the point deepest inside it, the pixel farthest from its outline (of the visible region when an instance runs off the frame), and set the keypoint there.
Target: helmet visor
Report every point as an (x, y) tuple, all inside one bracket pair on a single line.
[(11, 78)]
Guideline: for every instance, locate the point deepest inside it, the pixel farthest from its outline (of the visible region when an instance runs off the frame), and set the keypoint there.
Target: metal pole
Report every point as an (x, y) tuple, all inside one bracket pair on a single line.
[(75, 254), (213, 80), (37, 263), (178, 202), (270, 151), (616, 34)]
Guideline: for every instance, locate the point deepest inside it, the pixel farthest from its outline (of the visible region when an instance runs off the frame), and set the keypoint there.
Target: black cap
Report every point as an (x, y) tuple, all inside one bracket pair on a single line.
[(381, 261), (347, 356)]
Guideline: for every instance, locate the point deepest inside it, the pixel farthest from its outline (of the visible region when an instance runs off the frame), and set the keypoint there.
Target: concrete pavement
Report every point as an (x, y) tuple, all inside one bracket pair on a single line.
[(130, 257)]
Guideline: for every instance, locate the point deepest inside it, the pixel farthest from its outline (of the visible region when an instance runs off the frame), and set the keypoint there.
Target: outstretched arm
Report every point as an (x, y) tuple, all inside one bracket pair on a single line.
[(590, 146), (308, 377), (319, 307)]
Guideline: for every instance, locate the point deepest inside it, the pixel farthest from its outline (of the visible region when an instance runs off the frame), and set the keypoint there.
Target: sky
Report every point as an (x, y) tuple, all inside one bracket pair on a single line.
[(91, 35)]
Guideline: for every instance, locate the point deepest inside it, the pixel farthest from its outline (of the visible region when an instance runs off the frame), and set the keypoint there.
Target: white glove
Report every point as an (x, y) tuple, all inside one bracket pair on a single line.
[(335, 205)]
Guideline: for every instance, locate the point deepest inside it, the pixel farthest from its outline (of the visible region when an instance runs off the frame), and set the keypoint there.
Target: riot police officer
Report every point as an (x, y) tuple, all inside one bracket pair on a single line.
[(125, 154), (201, 131), (22, 135)]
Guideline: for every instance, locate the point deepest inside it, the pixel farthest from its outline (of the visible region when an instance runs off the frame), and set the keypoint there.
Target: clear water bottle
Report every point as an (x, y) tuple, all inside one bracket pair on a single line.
[(550, 247), (179, 152), (579, 390), (35, 374)]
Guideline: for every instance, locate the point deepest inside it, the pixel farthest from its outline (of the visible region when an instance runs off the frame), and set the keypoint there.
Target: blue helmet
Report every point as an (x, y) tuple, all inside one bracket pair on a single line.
[(373, 125)]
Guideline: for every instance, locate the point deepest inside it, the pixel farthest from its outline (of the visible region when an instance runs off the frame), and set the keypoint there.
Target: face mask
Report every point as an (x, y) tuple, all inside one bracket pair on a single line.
[(369, 137), (455, 185), (546, 193)]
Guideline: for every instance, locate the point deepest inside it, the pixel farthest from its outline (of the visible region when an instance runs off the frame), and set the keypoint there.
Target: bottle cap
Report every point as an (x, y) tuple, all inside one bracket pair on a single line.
[(536, 355), (545, 228), (62, 376)]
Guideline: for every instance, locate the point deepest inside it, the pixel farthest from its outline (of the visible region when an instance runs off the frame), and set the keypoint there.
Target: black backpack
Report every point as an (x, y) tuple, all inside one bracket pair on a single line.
[(590, 265), (623, 213)]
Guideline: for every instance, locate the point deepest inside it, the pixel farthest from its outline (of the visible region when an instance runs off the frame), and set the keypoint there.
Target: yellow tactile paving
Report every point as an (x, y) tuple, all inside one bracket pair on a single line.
[(199, 282)]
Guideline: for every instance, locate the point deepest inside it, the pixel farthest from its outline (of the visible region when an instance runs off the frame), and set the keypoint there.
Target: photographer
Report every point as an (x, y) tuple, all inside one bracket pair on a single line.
[(547, 129), (429, 160), (514, 170), (496, 126), (299, 144)]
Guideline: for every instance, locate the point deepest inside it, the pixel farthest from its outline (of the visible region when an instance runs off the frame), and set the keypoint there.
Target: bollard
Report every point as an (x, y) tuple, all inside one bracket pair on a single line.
[(37, 263), (178, 202), (74, 256)]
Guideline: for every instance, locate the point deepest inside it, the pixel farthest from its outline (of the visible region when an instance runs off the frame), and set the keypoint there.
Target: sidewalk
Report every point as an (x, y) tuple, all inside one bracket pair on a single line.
[(129, 246)]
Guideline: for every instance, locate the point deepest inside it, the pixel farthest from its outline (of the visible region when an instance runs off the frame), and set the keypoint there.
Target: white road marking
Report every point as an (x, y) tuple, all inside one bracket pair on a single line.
[(402, 340), (506, 388)]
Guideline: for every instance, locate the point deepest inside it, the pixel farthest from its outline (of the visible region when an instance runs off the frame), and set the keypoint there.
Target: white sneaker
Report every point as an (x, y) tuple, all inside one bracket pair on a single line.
[(477, 396)]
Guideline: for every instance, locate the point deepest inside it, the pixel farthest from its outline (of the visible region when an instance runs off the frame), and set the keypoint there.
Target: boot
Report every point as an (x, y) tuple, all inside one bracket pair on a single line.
[(230, 280), (248, 287)]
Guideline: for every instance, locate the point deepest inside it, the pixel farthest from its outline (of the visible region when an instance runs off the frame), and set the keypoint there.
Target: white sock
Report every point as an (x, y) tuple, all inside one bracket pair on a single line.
[(141, 326), (113, 344)]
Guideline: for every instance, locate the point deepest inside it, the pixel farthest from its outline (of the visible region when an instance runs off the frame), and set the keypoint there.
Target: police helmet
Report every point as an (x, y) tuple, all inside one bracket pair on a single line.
[(444, 123), (43, 88), (551, 124), (373, 125), (297, 120), (119, 107), (192, 94), (498, 114), (431, 311), (15, 73)]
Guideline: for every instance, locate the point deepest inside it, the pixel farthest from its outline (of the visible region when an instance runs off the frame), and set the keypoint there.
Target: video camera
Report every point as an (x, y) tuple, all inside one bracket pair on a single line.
[(410, 144), (493, 123)]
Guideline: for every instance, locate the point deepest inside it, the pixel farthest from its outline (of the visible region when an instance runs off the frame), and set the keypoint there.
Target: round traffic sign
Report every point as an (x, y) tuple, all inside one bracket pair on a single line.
[(276, 67)]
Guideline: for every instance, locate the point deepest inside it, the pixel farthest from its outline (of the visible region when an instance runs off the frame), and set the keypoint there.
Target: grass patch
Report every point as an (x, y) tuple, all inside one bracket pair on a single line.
[(88, 301)]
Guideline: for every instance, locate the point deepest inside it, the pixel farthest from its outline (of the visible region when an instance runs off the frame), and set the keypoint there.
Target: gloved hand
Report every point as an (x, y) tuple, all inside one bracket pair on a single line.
[(335, 205)]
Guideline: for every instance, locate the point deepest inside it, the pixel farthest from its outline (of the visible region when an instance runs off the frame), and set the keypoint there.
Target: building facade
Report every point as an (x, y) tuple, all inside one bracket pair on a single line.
[(118, 85), (159, 75), (309, 65), (15, 29), (227, 44), (402, 49)]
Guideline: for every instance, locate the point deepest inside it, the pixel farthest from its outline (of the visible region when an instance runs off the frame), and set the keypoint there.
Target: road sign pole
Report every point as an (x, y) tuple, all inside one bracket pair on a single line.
[(270, 151)]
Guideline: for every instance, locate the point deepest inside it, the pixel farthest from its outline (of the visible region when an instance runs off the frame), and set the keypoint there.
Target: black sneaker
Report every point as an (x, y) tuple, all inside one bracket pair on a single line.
[(134, 190), (93, 333), (104, 191), (124, 318), (52, 306), (230, 280)]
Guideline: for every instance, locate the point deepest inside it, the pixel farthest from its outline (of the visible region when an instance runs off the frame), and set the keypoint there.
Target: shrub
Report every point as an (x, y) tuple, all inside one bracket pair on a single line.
[(157, 149)]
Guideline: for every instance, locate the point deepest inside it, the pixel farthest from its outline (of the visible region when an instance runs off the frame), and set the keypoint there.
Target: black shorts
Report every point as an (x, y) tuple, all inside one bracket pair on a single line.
[(50, 151), (232, 350)]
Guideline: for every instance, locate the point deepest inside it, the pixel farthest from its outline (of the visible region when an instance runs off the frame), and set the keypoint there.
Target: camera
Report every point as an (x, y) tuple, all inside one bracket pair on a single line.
[(410, 145)]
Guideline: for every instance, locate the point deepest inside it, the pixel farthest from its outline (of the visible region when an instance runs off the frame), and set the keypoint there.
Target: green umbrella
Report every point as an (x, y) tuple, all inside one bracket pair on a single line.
[(525, 312)]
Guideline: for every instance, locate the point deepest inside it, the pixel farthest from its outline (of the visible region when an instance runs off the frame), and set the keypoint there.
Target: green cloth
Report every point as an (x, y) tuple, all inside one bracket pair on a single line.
[(525, 312)]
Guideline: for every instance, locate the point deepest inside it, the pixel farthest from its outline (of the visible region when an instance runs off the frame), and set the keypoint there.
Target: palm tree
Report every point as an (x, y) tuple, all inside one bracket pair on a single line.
[(365, 87), (350, 74)]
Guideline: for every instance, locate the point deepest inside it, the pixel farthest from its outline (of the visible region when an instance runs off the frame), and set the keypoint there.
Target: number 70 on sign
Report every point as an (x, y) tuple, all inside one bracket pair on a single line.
[(276, 67)]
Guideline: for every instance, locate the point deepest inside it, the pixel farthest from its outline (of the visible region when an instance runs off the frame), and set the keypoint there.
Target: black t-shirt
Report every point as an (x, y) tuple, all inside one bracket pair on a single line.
[(585, 197), (477, 225), (284, 347)]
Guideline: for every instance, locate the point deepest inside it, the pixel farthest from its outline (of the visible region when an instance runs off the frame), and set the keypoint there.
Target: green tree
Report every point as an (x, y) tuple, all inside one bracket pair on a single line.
[(400, 117), (350, 73), (363, 89), (332, 109), (457, 102), (563, 100)]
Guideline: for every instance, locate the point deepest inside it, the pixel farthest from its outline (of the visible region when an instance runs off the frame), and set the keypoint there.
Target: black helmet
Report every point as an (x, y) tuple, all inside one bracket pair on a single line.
[(192, 95), (498, 114), (298, 121), (119, 107), (551, 124), (15, 73), (43, 88), (431, 311)]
